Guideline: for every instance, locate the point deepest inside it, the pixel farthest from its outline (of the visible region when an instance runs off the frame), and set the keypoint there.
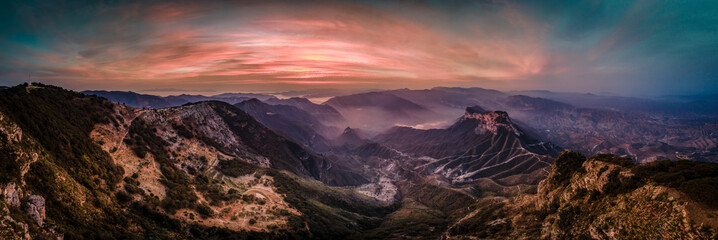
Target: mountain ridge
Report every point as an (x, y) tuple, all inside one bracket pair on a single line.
[(291, 121), (165, 175), (477, 145), (81, 167)]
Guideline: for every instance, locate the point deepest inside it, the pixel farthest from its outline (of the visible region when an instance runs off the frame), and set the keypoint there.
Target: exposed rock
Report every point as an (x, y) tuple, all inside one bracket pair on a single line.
[(590, 199), (491, 121), (36, 208), (11, 195), (383, 190), (565, 165), (10, 129), (11, 229), (53, 229), (479, 145)]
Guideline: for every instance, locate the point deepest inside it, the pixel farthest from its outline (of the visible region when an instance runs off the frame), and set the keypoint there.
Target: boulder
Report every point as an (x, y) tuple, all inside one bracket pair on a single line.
[(11, 195), (36, 208)]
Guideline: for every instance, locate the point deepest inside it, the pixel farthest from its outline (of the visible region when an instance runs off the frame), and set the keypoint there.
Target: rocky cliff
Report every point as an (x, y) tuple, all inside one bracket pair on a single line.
[(479, 145), (603, 197)]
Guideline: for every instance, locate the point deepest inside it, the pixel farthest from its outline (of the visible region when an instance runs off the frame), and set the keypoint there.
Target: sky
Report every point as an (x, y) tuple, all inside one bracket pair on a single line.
[(622, 47)]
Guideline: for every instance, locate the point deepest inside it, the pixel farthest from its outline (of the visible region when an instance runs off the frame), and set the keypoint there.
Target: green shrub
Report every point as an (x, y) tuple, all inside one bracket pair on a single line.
[(448, 201), (566, 164), (249, 198), (205, 210), (9, 165), (140, 151), (182, 131), (699, 180), (133, 189), (213, 191), (617, 184), (235, 167), (567, 216), (338, 217), (580, 194), (123, 197)]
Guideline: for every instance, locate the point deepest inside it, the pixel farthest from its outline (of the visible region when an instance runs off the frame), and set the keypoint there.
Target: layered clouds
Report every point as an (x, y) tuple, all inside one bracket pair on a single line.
[(645, 47)]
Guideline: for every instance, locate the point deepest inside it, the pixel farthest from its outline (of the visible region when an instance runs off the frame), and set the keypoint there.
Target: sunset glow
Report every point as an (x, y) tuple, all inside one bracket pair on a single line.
[(282, 45)]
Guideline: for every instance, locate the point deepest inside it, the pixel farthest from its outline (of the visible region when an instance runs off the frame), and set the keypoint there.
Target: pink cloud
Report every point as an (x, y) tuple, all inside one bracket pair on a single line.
[(260, 44)]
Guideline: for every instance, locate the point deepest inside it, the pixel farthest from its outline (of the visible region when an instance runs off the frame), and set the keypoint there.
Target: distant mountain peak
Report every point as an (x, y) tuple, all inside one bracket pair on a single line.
[(349, 138), (350, 134), (252, 101), (299, 99), (490, 121), (475, 109)]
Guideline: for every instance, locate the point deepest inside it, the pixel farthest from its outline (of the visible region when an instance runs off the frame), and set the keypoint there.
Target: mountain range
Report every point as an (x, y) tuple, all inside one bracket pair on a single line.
[(442, 163), (151, 101)]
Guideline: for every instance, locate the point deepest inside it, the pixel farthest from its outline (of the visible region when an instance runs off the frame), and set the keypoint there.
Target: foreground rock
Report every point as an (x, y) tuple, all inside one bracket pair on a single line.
[(36, 208), (598, 198)]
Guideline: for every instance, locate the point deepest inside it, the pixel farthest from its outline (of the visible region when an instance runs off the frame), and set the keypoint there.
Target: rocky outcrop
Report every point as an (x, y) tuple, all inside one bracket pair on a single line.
[(603, 199), (479, 145), (11, 195), (491, 121), (36, 208), (349, 138), (12, 132), (596, 198), (11, 229)]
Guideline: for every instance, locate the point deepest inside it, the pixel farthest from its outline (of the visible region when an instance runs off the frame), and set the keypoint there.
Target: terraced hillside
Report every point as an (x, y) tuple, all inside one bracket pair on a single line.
[(479, 145)]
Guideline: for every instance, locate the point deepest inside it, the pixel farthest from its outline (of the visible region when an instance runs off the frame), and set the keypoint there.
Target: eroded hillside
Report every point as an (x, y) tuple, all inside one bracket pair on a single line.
[(603, 197), (81, 167)]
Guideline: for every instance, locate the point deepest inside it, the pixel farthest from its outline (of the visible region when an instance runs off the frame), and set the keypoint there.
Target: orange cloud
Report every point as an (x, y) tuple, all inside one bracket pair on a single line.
[(317, 45)]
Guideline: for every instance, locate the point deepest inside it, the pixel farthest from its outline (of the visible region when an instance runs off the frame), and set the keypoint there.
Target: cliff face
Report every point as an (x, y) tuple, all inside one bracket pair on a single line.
[(492, 122), (598, 198), (479, 145)]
